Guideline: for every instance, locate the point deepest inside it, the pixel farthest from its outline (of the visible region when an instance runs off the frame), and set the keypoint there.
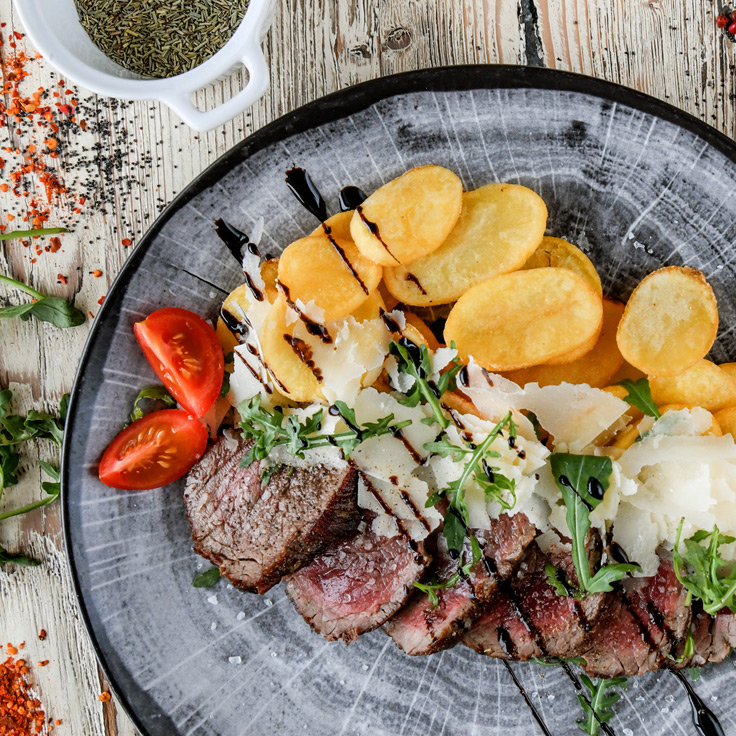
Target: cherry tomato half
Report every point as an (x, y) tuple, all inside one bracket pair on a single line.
[(153, 451), (186, 355)]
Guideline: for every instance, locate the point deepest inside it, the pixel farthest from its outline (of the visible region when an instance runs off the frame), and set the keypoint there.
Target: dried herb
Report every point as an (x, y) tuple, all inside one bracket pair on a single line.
[(160, 38)]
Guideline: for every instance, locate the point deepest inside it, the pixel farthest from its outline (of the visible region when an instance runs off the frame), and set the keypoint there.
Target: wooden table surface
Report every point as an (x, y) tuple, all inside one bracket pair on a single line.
[(128, 160)]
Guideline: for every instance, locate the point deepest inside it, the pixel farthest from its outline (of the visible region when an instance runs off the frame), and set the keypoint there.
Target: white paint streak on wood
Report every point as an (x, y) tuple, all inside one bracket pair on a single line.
[(668, 48)]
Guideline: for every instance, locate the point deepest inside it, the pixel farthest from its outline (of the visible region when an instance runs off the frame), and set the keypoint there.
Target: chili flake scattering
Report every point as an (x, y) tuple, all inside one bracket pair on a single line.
[(21, 713)]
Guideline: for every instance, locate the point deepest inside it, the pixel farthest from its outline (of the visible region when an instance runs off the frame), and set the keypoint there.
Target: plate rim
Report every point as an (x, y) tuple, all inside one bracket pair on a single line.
[(326, 109)]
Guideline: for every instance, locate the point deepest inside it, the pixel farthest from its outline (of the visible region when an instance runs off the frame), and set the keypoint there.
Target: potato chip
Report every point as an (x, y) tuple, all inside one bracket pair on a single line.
[(524, 318), (409, 217), (559, 253), (371, 308), (578, 353), (705, 384), (726, 418), (418, 324), (287, 358), (236, 302), (729, 368), (454, 401), (330, 272), (499, 228), (270, 275), (596, 368), (338, 226), (670, 322)]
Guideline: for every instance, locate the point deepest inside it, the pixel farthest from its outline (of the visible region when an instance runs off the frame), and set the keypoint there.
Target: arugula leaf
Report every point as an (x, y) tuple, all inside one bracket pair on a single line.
[(15, 234), (268, 430), (640, 396), (431, 588), (151, 393), (19, 559), (445, 448), (416, 362), (45, 308), (207, 579), (713, 579), (583, 480), (598, 710), (268, 472), (52, 489)]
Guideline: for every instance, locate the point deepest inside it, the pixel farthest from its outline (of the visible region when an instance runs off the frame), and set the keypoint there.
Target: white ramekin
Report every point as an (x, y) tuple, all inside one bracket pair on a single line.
[(54, 28)]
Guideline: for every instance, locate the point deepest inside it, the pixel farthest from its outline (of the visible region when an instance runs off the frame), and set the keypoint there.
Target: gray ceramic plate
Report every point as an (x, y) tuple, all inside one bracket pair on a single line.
[(636, 183)]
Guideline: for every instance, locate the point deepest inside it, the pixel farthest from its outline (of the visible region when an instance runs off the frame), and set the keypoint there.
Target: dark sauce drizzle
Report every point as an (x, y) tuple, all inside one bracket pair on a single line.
[(463, 377), (258, 378), (414, 280), (537, 717), (350, 198), (239, 329), (305, 190), (344, 257), (304, 353), (595, 489), (375, 232), (390, 322), (235, 240), (313, 328), (565, 481), (703, 717)]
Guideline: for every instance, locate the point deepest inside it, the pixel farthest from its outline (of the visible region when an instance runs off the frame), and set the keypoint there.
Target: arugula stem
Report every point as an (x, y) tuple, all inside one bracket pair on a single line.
[(434, 402), (472, 464), (21, 286), (15, 234), (29, 507)]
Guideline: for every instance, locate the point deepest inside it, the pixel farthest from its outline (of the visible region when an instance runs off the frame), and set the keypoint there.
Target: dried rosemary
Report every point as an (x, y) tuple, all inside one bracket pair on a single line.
[(160, 38)]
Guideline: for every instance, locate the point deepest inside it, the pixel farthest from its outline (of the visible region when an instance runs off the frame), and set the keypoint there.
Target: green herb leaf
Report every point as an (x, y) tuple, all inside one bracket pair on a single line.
[(580, 479), (45, 308), (713, 579), (15, 234), (431, 588), (207, 579), (599, 709), (695, 673), (52, 489), (268, 472), (17, 559), (640, 396), (151, 393)]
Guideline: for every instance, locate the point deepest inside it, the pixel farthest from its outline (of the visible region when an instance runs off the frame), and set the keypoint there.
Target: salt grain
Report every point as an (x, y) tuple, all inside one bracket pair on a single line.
[(213, 626), (212, 599), (234, 660), (240, 616)]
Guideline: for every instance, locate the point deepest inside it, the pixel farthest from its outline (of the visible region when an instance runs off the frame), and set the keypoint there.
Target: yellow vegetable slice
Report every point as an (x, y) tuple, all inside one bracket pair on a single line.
[(287, 358), (596, 368), (560, 253), (330, 272), (409, 217), (499, 227), (670, 322), (705, 384), (236, 302), (524, 318)]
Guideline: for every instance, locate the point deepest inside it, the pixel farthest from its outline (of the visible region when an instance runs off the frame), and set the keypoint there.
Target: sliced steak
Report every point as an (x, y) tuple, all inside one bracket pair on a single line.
[(501, 630), (257, 534), (421, 627), (504, 543), (713, 637), (357, 584), (659, 604)]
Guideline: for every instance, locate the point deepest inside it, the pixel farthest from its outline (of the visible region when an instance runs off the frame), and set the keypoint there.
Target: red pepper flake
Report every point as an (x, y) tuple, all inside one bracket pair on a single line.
[(126, 242), (42, 664), (104, 697), (10, 649), (55, 244), (51, 143), (42, 634), (58, 722), (96, 273), (10, 218), (18, 35), (90, 315), (101, 300), (62, 279), (21, 645)]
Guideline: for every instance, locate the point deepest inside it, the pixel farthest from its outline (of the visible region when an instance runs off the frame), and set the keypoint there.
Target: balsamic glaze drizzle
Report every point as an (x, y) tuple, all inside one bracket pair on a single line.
[(375, 232), (344, 257), (234, 239), (537, 717), (313, 328), (565, 481), (703, 717), (239, 329), (305, 190), (414, 280), (350, 198)]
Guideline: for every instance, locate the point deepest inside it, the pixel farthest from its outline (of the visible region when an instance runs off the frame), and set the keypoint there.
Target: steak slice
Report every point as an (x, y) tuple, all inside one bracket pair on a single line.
[(713, 637), (357, 584), (258, 534), (421, 627), (502, 632)]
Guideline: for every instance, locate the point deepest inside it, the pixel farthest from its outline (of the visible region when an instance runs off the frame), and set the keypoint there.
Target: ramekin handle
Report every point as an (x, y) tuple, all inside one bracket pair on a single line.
[(181, 101)]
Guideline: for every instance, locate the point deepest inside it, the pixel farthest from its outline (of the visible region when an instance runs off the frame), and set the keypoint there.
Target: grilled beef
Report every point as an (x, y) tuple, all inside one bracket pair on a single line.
[(357, 584), (259, 533), (422, 628)]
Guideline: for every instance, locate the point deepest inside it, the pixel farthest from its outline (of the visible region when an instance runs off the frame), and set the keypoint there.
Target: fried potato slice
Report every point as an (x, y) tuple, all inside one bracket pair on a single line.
[(524, 318), (371, 308), (705, 385), (236, 302), (499, 228), (726, 418), (412, 320), (578, 353), (270, 275), (328, 271), (595, 368), (457, 401), (338, 225), (670, 322), (729, 368), (560, 253), (287, 358), (409, 217)]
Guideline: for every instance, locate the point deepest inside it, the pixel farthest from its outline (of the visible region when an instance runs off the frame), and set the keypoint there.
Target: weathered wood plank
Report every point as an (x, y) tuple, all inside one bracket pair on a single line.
[(668, 48)]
